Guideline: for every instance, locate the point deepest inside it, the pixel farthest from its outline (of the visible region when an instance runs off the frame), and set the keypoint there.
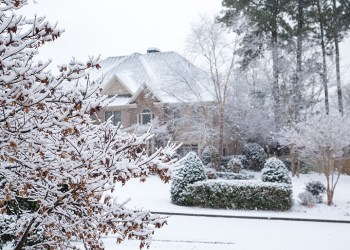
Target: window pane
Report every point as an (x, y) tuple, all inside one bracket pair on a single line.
[(108, 115), (146, 118), (176, 117), (117, 117)]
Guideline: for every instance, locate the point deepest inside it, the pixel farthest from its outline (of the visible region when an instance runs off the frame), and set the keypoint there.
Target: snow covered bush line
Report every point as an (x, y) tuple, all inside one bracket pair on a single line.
[(241, 195)]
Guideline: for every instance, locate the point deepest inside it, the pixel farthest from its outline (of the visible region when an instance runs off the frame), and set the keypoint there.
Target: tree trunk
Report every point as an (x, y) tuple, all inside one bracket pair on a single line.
[(221, 134), (298, 77), (324, 62), (337, 61), (275, 68), (330, 194)]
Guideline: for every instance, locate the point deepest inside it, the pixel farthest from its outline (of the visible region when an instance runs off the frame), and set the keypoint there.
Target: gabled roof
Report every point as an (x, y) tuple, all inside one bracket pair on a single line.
[(169, 76)]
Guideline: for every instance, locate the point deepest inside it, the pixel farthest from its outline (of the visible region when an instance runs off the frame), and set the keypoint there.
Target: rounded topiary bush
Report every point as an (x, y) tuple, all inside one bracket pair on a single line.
[(234, 165), (317, 189), (275, 171), (192, 170), (209, 154), (256, 156)]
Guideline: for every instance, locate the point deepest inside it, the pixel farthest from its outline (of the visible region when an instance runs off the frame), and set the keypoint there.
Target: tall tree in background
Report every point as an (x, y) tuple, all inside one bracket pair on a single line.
[(337, 30), (58, 168), (268, 16)]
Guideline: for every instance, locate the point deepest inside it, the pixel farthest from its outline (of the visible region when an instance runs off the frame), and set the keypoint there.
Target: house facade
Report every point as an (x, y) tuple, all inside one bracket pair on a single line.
[(161, 89)]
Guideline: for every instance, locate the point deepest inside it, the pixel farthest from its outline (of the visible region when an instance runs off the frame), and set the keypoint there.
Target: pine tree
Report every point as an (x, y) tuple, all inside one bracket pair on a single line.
[(269, 17)]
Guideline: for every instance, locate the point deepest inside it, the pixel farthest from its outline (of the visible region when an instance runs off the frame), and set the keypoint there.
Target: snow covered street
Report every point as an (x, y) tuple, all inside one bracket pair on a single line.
[(242, 234)]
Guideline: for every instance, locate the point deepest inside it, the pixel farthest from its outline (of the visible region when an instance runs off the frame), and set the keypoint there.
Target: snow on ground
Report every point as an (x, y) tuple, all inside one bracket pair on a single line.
[(197, 233), (203, 233)]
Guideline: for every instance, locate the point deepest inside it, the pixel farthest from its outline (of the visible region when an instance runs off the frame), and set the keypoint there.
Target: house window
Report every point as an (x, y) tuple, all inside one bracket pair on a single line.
[(117, 117), (176, 117), (145, 117)]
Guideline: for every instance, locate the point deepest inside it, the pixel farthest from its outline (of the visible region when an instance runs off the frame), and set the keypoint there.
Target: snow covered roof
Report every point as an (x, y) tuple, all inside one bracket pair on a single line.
[(168, 75)]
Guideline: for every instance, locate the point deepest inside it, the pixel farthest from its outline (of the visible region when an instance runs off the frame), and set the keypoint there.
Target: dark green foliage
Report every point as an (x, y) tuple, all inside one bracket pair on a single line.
[(243, 160), (317, 189), (234, 165), (241, 195), (275, 171), (192, 170), (209, 154), (256, 156), (225, 160)]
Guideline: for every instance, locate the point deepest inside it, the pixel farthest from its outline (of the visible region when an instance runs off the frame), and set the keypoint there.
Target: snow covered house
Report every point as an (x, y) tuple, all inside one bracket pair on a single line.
[(158, 88)]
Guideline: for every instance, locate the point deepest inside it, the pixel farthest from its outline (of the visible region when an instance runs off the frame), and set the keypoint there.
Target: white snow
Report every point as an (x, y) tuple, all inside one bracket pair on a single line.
[(183, 232)]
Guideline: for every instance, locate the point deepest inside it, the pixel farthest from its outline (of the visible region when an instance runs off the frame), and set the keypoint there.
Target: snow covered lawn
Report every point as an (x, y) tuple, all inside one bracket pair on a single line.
[(183, 232)]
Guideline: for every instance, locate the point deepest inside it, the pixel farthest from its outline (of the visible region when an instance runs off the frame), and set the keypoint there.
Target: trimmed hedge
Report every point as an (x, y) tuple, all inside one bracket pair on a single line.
[(241, 195)]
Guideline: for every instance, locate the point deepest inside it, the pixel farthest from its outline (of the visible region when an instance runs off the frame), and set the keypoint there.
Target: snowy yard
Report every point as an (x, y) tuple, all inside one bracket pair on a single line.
[(183, 232)]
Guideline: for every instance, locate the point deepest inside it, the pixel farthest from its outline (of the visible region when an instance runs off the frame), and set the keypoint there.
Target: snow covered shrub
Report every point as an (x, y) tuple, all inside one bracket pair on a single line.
[(317, 189), (209, 154), (256, 156), (306, 198), (234, 165), (275, 171), (241, 195), (210, 173), (224, 161), (192, 170), (243, 159)]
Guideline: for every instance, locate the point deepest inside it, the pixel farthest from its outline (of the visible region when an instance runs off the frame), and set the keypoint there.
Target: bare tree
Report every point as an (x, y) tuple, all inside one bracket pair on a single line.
[(213, 48), (58, 168), (323, 139)]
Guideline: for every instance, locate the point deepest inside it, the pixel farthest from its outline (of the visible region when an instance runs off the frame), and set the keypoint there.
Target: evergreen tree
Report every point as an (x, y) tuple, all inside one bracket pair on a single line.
[(191, 171)]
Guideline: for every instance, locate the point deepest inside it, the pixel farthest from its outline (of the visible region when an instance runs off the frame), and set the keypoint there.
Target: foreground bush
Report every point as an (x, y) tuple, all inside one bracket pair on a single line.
[(241, 195), (192, 170)]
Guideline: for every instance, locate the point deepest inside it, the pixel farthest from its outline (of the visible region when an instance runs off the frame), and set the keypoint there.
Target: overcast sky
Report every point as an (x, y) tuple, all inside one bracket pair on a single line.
[(121, 27), (118, 27)]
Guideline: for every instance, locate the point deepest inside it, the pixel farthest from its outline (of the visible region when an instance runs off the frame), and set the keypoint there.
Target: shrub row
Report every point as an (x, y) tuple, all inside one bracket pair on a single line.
[(241, 195)]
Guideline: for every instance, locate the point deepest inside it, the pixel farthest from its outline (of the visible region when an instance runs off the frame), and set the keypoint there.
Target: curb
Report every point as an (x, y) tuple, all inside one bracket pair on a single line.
[(253, 217)]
